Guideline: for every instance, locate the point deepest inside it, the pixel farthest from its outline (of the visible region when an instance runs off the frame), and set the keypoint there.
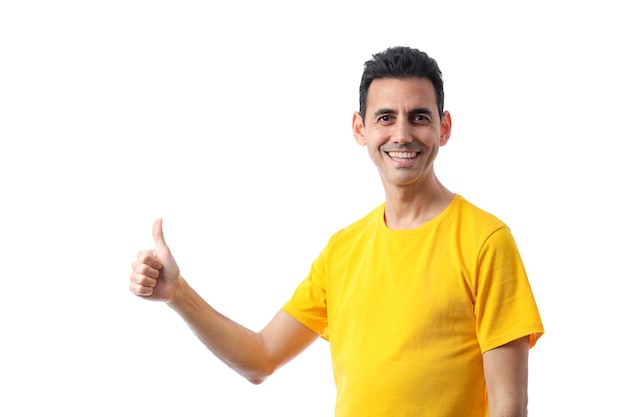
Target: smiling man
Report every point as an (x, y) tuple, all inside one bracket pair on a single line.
[(425, 301), (403, 131)]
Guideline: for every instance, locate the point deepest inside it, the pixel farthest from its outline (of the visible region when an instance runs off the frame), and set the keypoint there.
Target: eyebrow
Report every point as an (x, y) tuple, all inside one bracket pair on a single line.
[(413, 112)]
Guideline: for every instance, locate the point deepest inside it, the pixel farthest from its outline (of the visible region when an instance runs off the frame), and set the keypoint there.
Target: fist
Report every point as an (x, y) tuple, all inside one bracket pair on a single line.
[(155, 274)]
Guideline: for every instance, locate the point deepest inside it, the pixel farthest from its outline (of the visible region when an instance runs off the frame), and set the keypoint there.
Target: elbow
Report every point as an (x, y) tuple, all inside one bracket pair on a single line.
[(258, 377), (259, 373), (259, 365), (256, 380)]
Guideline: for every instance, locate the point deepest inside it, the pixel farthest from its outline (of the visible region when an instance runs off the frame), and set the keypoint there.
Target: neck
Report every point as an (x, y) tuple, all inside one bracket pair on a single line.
[(408, 207)]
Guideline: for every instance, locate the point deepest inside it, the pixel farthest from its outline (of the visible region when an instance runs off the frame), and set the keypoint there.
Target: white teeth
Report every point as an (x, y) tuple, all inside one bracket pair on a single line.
[(403, 155)]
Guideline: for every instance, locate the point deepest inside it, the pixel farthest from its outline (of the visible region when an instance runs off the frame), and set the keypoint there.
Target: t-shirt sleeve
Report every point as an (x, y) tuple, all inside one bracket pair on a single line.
[(505, 307), (308, 302)]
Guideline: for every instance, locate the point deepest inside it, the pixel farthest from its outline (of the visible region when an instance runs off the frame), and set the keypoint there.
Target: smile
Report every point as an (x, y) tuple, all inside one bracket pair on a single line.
[(402, 155)]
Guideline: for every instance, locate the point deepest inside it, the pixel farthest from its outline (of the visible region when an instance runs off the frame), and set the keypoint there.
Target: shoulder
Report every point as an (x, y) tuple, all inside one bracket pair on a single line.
[(360, 226), (470, 215), (477, 228)]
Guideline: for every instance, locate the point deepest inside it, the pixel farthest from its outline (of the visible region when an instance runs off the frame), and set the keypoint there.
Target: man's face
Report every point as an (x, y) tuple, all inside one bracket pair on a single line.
[(402, 129)]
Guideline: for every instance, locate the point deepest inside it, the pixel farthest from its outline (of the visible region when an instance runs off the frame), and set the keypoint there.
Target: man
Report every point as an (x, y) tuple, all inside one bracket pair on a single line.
[(425, 301)]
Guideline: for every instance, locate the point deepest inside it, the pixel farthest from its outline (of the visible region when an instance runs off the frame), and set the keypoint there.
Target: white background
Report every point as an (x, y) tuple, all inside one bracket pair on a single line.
[(232, 122)]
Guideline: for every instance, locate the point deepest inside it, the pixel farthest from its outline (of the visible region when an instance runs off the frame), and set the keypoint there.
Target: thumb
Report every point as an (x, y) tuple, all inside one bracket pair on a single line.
[(157, 236)]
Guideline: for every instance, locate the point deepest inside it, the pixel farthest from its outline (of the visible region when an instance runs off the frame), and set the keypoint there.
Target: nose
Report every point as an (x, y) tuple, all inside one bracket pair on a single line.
[(402, 132)]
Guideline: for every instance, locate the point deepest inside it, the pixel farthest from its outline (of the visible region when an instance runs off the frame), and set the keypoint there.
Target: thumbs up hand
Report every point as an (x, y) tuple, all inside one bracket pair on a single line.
[(155, 274)]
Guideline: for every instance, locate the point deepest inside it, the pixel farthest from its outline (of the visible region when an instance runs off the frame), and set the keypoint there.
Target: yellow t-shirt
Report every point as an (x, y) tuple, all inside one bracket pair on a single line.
[(408, 313)]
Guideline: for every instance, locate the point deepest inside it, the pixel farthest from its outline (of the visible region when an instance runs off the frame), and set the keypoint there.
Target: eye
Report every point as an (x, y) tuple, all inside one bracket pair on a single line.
[(385, 118), (421, 119)]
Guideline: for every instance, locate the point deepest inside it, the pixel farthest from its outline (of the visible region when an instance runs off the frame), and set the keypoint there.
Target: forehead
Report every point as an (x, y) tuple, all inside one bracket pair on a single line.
[(401, 93)]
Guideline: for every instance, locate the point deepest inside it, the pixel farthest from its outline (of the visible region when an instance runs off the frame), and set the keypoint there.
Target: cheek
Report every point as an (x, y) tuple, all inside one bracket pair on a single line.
[(374, 153), (376, 138), (373, 145), (433, 152)]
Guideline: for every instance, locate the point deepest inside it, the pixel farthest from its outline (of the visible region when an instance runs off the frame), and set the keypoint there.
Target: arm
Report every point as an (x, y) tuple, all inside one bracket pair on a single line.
[(506, 376), (254, 355)]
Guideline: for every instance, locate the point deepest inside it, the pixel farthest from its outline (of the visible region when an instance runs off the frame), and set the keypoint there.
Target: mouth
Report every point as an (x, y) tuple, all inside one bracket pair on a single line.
[(402, 156)]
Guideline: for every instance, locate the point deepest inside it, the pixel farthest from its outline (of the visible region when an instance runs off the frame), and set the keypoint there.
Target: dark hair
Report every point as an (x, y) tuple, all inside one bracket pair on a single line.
[(400, 62)]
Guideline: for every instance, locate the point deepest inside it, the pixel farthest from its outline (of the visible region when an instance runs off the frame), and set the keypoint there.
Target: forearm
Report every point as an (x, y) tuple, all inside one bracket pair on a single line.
[(238, 347), (506, 375), (508, 409)]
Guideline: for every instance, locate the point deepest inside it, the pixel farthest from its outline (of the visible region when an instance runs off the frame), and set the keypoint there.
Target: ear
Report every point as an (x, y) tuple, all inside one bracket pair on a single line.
[(446, 128), (358, 129)]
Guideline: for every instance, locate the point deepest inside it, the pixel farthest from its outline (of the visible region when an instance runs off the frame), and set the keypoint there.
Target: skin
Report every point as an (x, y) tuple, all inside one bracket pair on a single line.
[(403, 132), (402, 116), (254, 355)]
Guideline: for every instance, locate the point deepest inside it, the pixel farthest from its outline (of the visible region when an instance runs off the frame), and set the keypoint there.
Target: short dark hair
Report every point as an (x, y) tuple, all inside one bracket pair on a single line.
[(400, 62)]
